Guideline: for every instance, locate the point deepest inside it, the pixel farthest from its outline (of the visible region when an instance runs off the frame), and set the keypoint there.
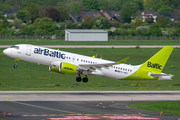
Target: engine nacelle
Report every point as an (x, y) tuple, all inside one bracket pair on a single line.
[(64, 68)]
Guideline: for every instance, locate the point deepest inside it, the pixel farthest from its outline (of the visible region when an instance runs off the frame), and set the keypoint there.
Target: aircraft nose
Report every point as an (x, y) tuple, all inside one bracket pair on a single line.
[(6, 51)]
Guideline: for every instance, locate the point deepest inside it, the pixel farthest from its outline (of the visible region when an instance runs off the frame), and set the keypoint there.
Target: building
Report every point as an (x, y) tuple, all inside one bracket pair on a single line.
[(8, 12), (149, 13), (171, 16), (85, 35), (73, 17), (114, 15)]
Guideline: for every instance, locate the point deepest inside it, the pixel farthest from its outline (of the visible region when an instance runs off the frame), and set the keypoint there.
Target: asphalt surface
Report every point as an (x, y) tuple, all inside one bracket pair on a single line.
[(37, 105), (100, 46)]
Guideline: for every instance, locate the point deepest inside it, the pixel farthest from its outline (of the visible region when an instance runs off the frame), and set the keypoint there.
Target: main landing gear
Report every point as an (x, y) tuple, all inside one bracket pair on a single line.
[(85, 79)]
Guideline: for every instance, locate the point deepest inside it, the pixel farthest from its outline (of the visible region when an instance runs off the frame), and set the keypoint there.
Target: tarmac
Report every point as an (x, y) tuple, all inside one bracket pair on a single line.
[(57, 105)]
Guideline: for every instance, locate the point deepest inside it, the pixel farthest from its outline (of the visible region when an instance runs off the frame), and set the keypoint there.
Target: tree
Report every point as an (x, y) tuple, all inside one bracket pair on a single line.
[(88, 22), (13, 2), (130, 9), (2, 15), (33, 10), (63, 13), (23, 15), (27, 30), (11, 16), (81, 10), (17, 23), (162, 21), (102, 4), (176, 15), (114, 23), (154, 4), (16, 7), (6, 7), (5, 23), (45, 26), (138, 22), (75, 8), (37, 21), (102, 23), (43, 12), (40, 3), (142, 30), (140, 4), (155, 30), (165, 9), (171, 3), (54, 14), (90, 5)]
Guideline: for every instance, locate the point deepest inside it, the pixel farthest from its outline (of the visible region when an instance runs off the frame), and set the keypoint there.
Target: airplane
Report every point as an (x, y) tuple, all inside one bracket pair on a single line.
[(70, 63)]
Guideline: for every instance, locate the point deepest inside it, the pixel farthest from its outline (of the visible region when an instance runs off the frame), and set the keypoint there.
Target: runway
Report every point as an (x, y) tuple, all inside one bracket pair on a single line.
[(57, 105)]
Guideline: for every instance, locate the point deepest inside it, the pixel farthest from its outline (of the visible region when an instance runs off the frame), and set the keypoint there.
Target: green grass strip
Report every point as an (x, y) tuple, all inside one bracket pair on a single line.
[(169, 107), (109, 42)]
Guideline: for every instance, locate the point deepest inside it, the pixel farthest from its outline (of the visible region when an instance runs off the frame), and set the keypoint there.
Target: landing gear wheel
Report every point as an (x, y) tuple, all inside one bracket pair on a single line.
[(85, 79), (15, 66), (78, 79)]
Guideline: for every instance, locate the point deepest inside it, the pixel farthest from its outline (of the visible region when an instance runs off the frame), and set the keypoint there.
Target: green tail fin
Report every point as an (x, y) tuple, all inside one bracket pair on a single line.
[(158, 61)]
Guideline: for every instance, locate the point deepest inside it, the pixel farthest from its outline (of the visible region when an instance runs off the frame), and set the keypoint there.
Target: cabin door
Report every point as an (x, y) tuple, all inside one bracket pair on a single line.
[(28, 50)]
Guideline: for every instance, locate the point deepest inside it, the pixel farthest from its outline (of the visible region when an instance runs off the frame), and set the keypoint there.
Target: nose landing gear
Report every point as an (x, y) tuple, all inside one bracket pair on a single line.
[(15, 66)]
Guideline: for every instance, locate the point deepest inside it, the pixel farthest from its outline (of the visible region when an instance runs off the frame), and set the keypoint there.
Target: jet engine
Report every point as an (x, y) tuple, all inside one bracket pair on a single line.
[(64, 68)]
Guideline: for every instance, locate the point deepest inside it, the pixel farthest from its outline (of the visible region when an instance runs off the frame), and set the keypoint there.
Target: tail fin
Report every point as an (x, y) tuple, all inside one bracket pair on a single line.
[(158, 61)]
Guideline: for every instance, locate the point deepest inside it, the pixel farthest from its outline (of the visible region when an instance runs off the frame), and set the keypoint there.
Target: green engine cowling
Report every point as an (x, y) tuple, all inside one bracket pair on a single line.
[(64, 68)]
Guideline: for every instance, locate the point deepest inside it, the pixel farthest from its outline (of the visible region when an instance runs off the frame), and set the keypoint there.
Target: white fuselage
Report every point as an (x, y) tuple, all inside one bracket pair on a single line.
[(46, 56)]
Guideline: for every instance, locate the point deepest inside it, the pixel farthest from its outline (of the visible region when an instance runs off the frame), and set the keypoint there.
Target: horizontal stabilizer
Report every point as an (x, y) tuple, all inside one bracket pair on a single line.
[(163, 76), (159, 75), (124, 60)]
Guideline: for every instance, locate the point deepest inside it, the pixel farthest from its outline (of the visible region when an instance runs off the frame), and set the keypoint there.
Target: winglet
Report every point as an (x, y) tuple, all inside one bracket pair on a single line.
[(124, 60)]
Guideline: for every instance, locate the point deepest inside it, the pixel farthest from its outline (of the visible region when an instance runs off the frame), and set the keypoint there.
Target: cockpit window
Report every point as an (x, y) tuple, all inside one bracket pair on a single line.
[(16, 47)]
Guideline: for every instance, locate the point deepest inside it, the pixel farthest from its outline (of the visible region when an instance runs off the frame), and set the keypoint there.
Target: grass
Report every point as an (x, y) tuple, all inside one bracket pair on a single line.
[(31, 76), (169, 107), (110, 42)]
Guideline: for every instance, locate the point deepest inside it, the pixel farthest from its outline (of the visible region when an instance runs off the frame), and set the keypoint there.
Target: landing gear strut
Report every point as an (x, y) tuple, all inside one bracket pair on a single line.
[(15, 66), (16, 59), (78, 79)]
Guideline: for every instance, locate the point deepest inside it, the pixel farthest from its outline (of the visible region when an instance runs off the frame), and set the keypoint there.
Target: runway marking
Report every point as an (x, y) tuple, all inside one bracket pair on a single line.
[(99, 117), (87, 115), (129, 117), (7, 99), (74, 118)]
